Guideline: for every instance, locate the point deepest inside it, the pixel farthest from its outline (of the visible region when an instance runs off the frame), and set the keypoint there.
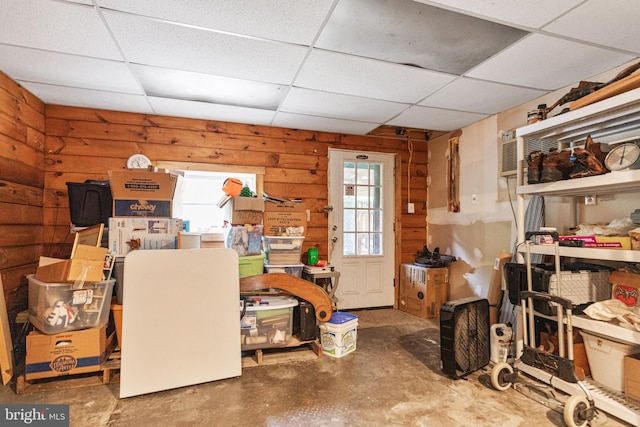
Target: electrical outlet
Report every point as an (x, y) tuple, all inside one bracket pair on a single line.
[(411, 208)]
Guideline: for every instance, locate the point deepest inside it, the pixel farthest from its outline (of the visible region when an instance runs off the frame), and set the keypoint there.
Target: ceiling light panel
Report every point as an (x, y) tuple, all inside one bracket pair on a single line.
[(565, 62), (435, 119), (56, 26), (190, 86), (604, 23), (87, 98), (406, 32), (337, 72), (480, 96), (298, 121), (149, 42), (293, 21), (208, 111), (532, 14), (315, 103), (67, 70)]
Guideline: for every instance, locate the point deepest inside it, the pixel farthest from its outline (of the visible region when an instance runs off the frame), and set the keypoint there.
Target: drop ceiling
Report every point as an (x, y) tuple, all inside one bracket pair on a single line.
[(347, 66)]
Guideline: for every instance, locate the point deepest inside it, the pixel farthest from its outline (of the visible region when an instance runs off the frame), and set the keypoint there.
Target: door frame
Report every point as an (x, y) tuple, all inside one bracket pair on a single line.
[(397, 215)]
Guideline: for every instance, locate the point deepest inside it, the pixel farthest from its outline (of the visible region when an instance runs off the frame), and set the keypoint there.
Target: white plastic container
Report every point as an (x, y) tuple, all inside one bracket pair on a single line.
[(339, 335), (293, 269), (606, 359), (501, 340), (283, 250)]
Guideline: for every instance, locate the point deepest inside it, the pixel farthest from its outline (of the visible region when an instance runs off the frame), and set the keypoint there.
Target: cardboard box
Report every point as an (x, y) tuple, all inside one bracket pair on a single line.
[(608, 242), (243, 210), (423, 290), (278, 216), (632, 378), (580, 360), (127, 234), (87, 264), (68, 353), (148, 194)]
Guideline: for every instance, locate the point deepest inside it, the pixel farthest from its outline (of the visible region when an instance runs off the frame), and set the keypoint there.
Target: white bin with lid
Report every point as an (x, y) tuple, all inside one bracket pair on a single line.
[(338, 336), (266, 321)]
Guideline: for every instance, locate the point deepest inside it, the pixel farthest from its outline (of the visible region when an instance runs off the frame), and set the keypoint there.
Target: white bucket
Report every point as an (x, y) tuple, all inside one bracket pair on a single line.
[(501, 339), (339, 335)]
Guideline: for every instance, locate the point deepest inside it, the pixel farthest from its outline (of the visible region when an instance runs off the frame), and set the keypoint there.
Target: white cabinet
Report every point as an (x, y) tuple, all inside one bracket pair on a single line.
[(611, 120)]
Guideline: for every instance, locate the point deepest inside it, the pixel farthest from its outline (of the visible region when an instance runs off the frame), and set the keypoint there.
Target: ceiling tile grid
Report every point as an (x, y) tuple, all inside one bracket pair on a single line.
[(346, 66)]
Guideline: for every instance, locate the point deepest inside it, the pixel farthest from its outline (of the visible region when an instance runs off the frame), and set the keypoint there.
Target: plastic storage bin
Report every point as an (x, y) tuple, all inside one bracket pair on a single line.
[(90, 203), (580, 283), (246, 240), (338, 336), (294, 269), (58, 307), (606, 359), (251, 265), (283, 250), (266, 322)]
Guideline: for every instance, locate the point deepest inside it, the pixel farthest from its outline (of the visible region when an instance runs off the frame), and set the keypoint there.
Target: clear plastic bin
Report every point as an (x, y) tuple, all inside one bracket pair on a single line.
[(294, 269), (283, 250), (58, 307)]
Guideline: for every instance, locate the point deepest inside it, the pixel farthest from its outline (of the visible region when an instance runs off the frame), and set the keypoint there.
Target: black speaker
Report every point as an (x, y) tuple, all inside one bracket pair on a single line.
[(464, 336), (305, 326)]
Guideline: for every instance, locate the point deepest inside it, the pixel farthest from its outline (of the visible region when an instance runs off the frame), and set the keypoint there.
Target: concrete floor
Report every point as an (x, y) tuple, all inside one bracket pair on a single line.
[(392, 379)]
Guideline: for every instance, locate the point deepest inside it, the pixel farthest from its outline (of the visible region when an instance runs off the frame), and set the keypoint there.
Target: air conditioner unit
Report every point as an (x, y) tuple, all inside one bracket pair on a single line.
[(508, 160)]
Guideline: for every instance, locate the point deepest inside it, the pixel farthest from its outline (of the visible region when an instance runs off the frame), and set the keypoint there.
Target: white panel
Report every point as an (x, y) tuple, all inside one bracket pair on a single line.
[(149, 42), (295, 21), (480, 97), (60, 95), (180, 319), (604, 23), (527, 13), (373, 271), (208, 111), (435, 119), (547, 63), (324, 124), (353, 75), (304, 101), (190, 86), (62, 27), (67, 70)]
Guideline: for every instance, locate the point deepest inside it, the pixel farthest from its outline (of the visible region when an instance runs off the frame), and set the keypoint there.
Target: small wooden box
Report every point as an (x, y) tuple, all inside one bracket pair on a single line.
[(423, 290)]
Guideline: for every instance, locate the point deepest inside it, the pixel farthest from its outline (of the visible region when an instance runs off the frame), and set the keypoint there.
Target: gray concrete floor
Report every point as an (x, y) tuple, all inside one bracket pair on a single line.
[(392, 379)]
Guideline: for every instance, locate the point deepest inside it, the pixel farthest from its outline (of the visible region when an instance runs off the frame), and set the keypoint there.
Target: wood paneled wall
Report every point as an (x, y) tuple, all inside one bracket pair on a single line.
[(83, 143), (22, 127)]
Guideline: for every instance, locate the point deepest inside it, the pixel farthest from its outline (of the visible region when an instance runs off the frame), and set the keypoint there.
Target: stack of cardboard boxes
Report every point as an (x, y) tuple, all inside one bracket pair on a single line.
[(243, 232), (69, 302)]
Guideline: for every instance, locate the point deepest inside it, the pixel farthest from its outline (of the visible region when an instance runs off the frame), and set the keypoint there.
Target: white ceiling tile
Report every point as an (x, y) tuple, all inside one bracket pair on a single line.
[(604, 23), (435, 119), (67, 70), (208, 111), (59, 95), (478, 96), (150, 42), (324, 104), (298, 121), (406, 32), (293, 21), (336, 72), (61, 27), (532, 14), (166, 83), (544, 62)]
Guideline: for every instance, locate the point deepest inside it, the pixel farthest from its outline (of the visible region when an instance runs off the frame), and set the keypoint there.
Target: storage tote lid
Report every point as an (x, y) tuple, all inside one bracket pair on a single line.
[(339, 317), (269, 303)]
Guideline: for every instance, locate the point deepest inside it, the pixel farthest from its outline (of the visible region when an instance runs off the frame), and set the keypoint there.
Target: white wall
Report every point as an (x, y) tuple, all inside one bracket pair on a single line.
[(479, 231)]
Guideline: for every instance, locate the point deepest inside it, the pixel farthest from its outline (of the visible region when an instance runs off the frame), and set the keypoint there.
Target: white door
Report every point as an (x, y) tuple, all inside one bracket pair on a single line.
[(361, 232)]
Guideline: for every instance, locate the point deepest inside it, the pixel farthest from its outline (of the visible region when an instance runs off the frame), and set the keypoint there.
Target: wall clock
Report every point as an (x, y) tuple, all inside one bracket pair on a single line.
[(138, 161), (623, 156)]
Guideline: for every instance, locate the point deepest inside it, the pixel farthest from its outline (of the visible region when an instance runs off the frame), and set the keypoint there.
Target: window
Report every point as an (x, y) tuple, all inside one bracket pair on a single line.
[(203, 190)]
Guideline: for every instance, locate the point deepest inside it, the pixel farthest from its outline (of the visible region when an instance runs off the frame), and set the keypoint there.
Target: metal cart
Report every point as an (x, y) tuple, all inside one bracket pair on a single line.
[(578, 409)]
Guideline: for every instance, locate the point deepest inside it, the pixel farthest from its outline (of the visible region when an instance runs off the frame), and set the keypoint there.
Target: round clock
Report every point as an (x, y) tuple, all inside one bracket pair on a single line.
[(623, 156), (138, 161)]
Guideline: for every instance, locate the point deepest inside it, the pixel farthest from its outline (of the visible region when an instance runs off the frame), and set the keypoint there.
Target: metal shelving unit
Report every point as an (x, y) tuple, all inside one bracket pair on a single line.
[(610, 120)]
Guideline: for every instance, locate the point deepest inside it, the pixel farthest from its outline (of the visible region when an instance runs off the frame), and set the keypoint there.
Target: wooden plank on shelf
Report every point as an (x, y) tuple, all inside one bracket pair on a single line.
[(621, 86)]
